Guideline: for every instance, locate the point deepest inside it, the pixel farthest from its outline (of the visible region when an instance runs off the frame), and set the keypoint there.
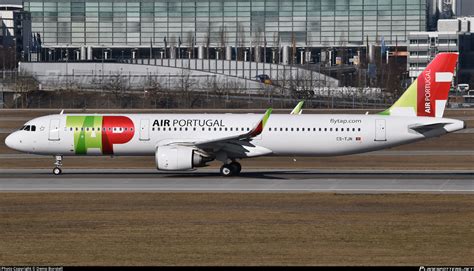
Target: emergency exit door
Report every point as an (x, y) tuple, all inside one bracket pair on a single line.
[(144, 130)]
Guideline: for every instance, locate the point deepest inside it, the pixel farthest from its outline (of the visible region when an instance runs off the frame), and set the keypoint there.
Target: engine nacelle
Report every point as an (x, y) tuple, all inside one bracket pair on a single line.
[(178, 158)]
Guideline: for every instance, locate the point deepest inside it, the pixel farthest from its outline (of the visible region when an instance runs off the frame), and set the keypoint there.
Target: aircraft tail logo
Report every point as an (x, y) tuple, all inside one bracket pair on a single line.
[(428, 95)]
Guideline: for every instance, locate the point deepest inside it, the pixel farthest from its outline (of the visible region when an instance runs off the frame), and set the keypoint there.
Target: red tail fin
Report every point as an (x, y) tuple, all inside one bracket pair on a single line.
[(433, 85)]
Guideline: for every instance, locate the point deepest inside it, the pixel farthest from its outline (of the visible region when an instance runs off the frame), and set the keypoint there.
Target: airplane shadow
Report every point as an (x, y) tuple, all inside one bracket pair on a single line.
[(268, 174)]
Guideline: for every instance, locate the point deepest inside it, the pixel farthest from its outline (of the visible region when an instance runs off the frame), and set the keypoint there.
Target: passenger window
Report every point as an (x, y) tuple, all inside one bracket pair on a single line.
[(336, 129), (353, 129), (359, 129), (292, 129)]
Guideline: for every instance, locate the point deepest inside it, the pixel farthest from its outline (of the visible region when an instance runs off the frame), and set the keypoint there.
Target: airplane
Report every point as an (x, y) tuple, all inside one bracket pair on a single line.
[(181, 142)]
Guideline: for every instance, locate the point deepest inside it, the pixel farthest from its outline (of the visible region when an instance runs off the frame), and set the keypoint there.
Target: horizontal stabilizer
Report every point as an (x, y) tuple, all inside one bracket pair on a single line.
[(428, 128)]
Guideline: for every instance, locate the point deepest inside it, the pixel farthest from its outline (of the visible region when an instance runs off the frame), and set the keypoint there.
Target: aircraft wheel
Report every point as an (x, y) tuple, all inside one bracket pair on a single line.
[(236, 167), (227, 170), (57, 171)]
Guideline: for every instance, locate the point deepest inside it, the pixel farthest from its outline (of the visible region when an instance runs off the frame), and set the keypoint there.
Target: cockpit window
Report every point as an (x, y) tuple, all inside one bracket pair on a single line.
[(31, 128)]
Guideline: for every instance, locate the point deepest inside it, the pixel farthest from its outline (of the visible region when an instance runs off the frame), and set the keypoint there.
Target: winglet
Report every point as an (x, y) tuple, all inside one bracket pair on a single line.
[(261, 125), (298, 108)]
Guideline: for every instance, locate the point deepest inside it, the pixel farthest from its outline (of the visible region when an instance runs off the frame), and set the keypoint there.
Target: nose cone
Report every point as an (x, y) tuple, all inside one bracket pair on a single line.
[(12, 142)]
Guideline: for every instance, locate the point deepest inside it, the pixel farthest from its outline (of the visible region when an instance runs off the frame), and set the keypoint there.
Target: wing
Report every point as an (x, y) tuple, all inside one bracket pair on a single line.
[(236, 145), (257, 130)]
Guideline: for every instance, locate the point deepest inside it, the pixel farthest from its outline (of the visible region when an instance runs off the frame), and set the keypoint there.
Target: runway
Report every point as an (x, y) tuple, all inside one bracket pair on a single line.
[(208, 180)]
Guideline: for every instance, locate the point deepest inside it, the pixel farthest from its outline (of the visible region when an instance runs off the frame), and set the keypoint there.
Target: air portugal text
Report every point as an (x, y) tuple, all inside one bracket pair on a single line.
[(188, 123)]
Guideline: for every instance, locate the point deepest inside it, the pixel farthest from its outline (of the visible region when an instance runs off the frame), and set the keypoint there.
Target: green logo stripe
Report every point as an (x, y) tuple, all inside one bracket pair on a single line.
[(87, 132)]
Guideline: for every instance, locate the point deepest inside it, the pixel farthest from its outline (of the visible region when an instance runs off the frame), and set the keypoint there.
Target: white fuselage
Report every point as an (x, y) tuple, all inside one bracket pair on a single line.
[(305, 135)]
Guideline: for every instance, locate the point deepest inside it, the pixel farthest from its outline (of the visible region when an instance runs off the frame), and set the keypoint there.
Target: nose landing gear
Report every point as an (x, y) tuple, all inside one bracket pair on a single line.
[(58, 163)]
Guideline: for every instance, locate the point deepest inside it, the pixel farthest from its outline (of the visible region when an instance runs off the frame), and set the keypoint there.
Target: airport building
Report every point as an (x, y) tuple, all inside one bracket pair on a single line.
[(94, 29), (7, 25), (453, 35)]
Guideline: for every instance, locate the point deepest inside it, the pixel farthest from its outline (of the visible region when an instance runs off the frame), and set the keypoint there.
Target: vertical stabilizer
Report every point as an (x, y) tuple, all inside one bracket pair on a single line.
[(428, 94)]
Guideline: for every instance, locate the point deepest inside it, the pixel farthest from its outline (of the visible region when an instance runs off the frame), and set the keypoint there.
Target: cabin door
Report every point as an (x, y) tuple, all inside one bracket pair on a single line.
[(54, 130), (380, 130)]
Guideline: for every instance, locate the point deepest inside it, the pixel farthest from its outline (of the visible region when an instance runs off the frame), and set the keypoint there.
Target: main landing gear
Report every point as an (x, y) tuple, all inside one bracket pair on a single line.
[(59, 162), (231, 169)]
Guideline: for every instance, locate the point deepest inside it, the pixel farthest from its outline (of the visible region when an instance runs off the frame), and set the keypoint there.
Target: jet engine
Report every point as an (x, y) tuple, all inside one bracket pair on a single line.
[(179, 158)]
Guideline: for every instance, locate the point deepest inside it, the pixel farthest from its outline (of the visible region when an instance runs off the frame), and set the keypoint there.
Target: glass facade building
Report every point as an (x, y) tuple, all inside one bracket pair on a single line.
[(240, 23)]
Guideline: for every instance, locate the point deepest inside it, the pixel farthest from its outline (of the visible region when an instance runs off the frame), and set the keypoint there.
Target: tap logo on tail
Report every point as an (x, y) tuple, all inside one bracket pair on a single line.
[(428, 95), (99, 134)]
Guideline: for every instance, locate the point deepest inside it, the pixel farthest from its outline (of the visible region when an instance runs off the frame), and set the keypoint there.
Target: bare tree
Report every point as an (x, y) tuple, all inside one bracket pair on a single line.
[(190, 43), (23, 86), (117, 84), (185, 88), (276, 46), (240, 41), (222, 40)]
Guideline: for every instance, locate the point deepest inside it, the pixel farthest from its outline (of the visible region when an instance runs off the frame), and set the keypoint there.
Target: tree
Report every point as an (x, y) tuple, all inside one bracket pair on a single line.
[(23, 86), (117, 84)]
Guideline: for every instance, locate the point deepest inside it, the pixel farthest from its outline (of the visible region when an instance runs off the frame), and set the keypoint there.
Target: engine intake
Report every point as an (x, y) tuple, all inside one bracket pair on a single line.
[(178, 158)]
